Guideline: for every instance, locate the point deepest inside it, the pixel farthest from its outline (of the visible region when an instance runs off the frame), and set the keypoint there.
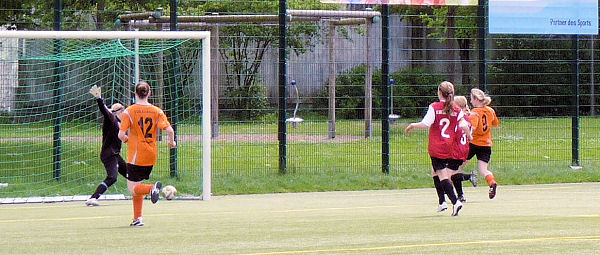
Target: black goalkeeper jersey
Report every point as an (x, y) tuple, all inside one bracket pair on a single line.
[(111, 144)]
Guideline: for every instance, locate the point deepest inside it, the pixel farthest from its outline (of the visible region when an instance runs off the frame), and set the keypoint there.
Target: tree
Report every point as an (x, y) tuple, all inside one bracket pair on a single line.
[(243, 47), (77, 14), (454, 26)]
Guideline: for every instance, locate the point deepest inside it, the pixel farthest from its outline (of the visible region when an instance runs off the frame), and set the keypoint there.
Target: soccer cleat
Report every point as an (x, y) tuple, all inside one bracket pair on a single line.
[(473, 179), (442, 207), (456, 207), (92, 202), (462, 199), (137, 222), (493, 190), (155, 192)]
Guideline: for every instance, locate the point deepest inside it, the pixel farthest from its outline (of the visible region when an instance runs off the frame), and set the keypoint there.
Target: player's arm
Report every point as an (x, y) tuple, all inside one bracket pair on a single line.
[(425, 123), (474, 117), (104, 109), (171, 133), (125, 123), (464, 125), (97, 93), (164, 124), (495, 121), (123, 136)]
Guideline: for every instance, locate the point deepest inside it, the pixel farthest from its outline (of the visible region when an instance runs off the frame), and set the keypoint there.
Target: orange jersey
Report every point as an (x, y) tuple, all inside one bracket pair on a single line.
[(482, 120), (143, 122)]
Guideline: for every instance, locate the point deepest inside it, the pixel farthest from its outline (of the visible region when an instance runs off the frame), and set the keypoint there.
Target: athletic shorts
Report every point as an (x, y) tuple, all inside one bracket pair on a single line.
[(484, 153), (454, 164), (439, 164), (137, 173)]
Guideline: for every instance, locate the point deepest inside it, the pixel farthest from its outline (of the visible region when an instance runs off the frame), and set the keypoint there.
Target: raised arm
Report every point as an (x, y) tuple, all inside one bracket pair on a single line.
[(97, 93)]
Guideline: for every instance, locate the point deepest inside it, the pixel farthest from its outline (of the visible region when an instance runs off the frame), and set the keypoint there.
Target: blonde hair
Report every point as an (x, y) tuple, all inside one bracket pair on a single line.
[(461, 101), (446, 88), (116, 107), (481, 96)]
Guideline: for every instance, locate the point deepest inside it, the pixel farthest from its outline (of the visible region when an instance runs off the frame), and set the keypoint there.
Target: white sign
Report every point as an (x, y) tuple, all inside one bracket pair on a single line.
[(543, 17)]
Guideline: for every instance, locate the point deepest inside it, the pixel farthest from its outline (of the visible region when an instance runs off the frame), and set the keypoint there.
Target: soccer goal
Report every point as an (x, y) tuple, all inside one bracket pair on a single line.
[(51, 128)]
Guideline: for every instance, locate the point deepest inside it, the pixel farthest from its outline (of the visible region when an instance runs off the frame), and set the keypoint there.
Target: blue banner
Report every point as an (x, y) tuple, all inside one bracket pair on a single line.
[(543, 17)]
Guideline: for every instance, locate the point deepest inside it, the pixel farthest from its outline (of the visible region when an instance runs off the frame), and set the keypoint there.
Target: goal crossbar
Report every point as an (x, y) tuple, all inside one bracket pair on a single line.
[(206, 85), (105, 34)]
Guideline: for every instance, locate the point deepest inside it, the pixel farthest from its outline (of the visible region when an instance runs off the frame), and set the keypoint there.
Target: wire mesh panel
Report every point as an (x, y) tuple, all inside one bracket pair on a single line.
[(333, 88), (51, 133)]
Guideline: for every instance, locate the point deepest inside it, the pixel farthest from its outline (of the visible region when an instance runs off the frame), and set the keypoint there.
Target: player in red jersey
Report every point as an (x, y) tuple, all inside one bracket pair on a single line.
[(461, 150), (442, 119)]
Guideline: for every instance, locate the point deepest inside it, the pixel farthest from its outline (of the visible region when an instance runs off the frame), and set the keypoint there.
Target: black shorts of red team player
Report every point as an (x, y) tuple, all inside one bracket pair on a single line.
[(484, 153), (137, 173), (439, 164)]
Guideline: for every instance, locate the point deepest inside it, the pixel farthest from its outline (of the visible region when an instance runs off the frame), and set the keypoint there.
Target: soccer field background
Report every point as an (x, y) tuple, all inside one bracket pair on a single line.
[(245, 159), (522, 219)]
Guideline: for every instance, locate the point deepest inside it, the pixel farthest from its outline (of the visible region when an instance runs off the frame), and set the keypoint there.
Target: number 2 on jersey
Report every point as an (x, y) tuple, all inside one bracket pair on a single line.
[(444, 123), (146, 132)]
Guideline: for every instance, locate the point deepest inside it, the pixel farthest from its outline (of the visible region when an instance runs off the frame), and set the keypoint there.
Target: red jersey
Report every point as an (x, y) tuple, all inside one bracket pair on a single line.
[(442, 130), (461, 144)]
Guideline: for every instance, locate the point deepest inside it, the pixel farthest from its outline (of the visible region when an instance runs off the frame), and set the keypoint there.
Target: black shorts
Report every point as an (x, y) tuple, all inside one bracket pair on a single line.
[(439, 164), (115, 165), (137, 173), (454, 164), (484, 153)]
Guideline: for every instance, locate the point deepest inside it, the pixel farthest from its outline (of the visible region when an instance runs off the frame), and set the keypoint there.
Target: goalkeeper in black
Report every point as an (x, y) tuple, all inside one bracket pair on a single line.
[(111, 145)]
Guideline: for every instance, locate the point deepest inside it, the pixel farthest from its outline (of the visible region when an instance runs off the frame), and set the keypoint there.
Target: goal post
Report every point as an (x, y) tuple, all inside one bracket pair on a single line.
[(90, 53)]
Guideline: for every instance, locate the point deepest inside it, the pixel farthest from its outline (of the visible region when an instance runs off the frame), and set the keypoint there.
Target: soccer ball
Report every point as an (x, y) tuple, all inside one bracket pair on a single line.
[(169, 192)]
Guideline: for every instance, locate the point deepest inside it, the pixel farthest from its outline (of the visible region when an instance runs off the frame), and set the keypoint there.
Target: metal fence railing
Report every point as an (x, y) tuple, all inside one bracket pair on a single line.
[(542, 87)]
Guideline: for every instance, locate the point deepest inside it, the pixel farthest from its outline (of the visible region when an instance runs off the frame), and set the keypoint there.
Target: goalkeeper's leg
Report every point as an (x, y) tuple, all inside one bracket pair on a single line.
[(111, 165)]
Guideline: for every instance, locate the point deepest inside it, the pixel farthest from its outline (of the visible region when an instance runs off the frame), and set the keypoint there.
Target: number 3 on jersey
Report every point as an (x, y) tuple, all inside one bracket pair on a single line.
[(147, 132), (445, 122)]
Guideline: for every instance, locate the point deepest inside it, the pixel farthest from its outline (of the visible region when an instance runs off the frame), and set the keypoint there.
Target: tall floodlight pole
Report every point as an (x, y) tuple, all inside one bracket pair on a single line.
[(281, 133)]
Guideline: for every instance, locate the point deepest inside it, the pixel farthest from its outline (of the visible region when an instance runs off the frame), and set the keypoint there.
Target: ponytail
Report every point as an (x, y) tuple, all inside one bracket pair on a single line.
[(142, 89), (461, 101), (446, 89), (481, 96)]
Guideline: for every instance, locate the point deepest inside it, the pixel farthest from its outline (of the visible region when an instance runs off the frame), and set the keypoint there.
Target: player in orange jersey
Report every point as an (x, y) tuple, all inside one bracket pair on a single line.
[(483, 118), (143, 120)]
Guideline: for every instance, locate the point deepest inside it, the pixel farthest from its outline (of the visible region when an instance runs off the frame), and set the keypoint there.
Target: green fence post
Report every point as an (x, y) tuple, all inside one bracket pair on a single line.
[(282, 132), (175, 110), (385, 97), (575, 118), (57, 95), (481, 43)]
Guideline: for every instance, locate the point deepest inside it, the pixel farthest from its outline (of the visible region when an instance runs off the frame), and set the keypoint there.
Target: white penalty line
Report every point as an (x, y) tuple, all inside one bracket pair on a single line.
[(543, 239)]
